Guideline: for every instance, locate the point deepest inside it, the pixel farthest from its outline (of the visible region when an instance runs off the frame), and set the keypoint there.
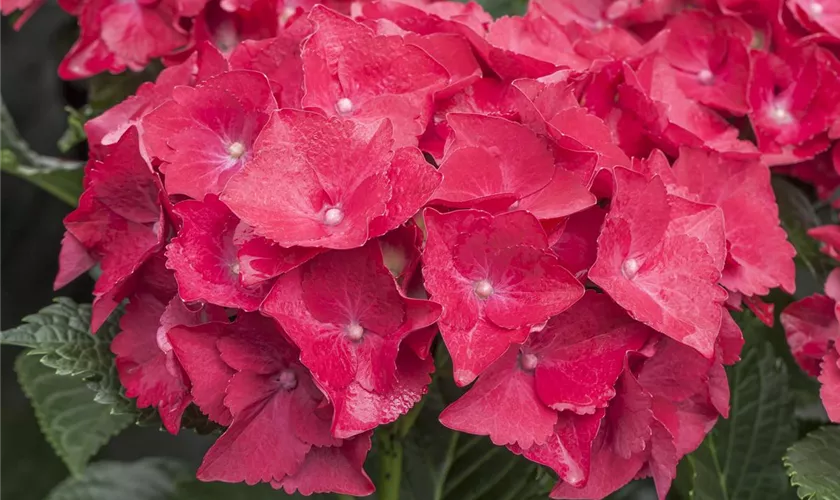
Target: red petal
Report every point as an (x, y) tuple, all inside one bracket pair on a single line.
[(830, 379), (484, 243), (142, 365), (206, 134), (502, 391), (332, 469), (196, 350), (593, 337), (344, 60), (260, 445), (492, 156), (203, 257), (608, 473), (314, 181), (358, 409), (760, 255), (261, 259), (568, 450), (810, 325), (638, 261), (577, 246)]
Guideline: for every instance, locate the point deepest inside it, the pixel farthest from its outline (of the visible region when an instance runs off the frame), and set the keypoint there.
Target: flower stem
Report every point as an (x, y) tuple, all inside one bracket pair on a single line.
[(390, 463)]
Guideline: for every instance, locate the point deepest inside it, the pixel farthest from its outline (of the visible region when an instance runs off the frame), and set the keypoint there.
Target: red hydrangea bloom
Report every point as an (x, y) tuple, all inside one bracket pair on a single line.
[(302, 200), (206, 133), (495, 278), (279, 431), (351, 71), (794, 101), (362, 332), (644, 251), (119, 223), (830, 378), (710, 54), (119, 35), (328, 182)]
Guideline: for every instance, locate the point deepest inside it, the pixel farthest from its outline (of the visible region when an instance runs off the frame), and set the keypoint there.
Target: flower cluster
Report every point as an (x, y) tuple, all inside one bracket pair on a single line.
[(118, 35), (569, 197)]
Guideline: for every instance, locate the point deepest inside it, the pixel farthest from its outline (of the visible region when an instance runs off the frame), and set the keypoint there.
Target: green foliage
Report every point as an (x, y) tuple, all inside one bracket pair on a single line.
[(741, 457), (75, 132), (798, 215), (159, 479), (62, 179), (75, 425), (814, 464), (499, 8), (146, 479), (60, 333)]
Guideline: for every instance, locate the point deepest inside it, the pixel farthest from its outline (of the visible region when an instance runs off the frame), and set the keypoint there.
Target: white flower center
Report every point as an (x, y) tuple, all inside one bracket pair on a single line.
[(528, 361), (483, 289), (236, 150), (333, 216), (629, 268), (780, 114), (287, 379), (705, 77), (286, 14), (344, 106), (355, 332)]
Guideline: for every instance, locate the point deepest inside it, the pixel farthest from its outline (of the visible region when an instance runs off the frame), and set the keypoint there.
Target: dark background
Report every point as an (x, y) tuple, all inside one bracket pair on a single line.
[(30, 234)]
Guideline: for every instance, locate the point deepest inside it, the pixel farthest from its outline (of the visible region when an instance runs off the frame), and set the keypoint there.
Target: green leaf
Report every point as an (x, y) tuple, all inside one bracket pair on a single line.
[(61, 178), (146, 479), (814, 464), (159, 479), (499, 8), (75, 425), (75, 132), (741, 458), (797, 215), (61, 333)]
